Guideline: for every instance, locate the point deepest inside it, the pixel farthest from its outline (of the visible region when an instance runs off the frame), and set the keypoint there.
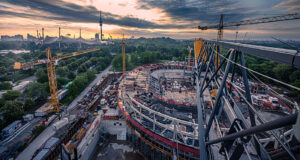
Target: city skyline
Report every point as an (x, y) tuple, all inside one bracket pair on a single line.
[(146, 18)]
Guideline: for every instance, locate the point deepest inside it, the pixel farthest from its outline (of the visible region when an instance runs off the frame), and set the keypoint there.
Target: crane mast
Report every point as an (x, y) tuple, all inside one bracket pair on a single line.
[(51, 72), (123, 55), (52, 82)]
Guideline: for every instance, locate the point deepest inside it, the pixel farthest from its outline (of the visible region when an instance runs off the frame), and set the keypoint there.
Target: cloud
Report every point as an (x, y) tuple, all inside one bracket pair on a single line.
[(64, 11), (291, 5), (206, 11)]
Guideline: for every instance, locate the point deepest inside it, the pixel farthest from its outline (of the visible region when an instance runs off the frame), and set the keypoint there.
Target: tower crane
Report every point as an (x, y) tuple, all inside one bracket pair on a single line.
[(223, 25), (51, 61), (123, 55)]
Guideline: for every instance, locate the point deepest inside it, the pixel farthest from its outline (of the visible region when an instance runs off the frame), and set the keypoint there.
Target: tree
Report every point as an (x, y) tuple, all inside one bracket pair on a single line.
[(134, 59), (93, 60), (61, 81), (90, 75), (282, 72), (62, 71), (3, 70), (117, 62), (72, 66), (11, 95), (140, 49), (99, 68), (35, 91), (71, 75), (297, 84), (12, 110), (73, 90), (82, 68), (5, 86), (41, 75), (2, 102), (29, 104), (295, 75)]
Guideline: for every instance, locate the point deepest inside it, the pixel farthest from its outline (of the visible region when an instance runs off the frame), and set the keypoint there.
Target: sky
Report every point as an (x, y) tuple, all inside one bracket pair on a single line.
[(147, 18)]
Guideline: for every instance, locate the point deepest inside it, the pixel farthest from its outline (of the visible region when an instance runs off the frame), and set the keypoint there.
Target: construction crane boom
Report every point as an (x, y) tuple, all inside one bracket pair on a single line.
[(28, 65), (51, 71), (221, 24), (254, 21)]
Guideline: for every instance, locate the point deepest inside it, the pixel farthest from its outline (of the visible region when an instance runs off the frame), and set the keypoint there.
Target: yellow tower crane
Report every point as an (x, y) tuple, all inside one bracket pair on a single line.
[(189, 58), (51, 71), (123, 55)]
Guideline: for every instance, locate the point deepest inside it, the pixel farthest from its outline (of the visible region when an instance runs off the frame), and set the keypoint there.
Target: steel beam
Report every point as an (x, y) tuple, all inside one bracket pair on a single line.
[(216, 106), (278, 123), (280, 55)]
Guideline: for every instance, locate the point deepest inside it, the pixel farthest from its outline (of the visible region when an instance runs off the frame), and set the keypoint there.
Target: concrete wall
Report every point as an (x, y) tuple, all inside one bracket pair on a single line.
[(114, 127)]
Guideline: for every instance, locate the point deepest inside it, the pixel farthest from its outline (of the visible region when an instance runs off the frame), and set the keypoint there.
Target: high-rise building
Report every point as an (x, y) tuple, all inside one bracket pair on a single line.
[(100, 23), (97, 36)]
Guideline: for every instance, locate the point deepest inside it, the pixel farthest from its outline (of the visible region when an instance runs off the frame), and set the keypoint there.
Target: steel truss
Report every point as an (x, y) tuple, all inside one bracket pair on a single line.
[(238, 136)]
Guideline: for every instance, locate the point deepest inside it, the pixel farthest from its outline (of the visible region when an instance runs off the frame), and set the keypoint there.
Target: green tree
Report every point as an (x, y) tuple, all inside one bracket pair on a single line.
[(71, 75), (282, 72), (5, 86), (3, 69), (82, 68), (295, 75), (2, 124), (117, 62), (2, 102), (29, 104), (140, 49), (11, 95), (35, 91), (297, 84), (61, 81), (73, 90), (62, 71), (99, 68), (41, 75), (12, 110), (134, 59), (72, 66), (90, 75)]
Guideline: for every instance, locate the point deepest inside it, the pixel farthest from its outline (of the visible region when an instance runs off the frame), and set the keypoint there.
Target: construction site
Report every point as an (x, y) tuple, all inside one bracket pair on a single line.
[(208, 106)]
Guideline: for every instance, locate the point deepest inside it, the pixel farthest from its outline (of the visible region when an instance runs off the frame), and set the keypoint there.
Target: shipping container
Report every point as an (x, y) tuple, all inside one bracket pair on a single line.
[(28, 117), (61, 123), (10, 129)]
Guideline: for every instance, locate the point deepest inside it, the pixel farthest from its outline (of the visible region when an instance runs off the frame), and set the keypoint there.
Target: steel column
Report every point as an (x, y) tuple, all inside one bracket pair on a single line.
[(219, 94)]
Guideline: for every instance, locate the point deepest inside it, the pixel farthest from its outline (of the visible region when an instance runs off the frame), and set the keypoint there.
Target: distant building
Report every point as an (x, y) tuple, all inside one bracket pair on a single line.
[(12, 38), (31, 38), (97, 36)]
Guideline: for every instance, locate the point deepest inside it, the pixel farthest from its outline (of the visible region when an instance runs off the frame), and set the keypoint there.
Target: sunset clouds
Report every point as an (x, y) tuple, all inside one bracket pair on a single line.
[(147, 18)]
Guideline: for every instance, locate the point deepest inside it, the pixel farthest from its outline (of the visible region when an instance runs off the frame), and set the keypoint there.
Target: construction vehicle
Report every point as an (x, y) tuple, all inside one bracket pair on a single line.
[(51, 61)]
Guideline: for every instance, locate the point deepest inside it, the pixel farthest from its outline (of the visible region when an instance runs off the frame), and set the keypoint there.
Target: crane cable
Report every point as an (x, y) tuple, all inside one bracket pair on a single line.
[(250, 70)]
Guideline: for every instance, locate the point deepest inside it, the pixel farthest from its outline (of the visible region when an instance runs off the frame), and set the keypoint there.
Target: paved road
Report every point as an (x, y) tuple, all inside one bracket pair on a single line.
[(21, 86), (83, 93)]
